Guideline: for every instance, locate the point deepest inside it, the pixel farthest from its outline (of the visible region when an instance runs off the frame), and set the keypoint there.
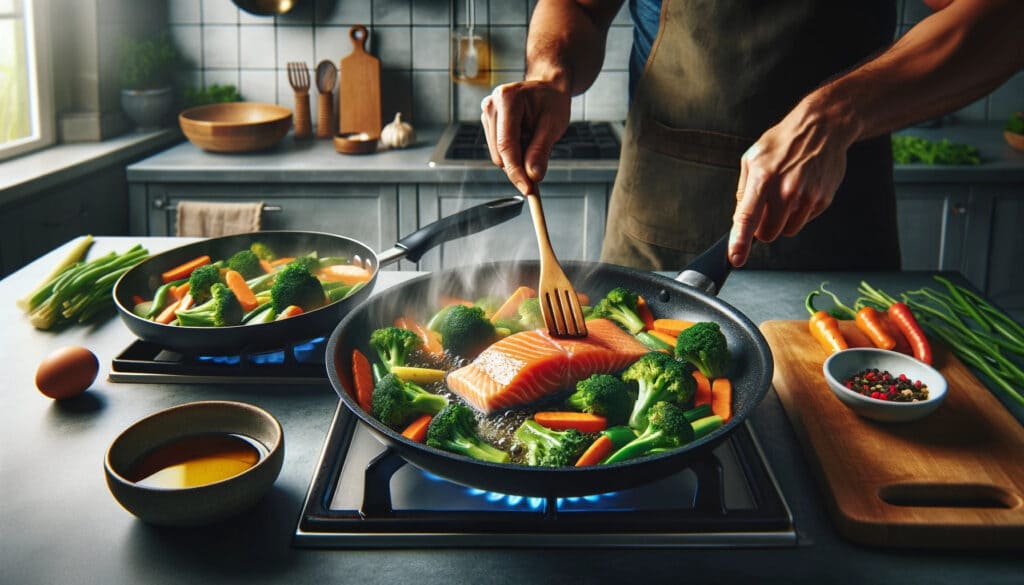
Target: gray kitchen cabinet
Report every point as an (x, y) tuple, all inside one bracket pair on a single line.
[(932, 220), (364, 212), (575, 215)]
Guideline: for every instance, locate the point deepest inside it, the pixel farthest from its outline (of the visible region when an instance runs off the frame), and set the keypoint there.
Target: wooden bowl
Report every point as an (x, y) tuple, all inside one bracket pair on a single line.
[(235, 126), (355, 143), (1013, 139)]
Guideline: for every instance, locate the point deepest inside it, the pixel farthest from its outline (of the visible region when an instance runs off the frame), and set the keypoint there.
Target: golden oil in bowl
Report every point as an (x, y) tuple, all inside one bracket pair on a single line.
[(196, 460)]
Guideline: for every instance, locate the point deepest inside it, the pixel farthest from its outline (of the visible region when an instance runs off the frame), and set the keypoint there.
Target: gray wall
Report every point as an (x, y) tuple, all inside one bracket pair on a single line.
[(227, 45)]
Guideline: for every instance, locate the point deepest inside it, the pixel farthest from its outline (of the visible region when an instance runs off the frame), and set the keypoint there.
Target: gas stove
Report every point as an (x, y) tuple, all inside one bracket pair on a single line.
[(464, 143), (364, 495)]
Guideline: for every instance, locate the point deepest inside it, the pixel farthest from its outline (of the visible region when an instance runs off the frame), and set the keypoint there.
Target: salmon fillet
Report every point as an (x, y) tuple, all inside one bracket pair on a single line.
[(527, 366)]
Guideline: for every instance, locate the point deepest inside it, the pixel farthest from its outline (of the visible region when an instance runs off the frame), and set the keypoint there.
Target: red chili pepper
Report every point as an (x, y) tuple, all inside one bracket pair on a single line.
[(908, 325)]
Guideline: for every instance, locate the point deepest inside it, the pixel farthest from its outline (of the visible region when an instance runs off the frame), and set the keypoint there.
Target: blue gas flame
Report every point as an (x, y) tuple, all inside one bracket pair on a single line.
[(533, 503), (305, 352)]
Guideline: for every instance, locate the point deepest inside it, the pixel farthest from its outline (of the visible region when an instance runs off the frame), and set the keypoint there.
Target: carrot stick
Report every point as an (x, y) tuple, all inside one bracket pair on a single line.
[(362, 377), (431, 340), (703, 394), (721, 398), (584, 299), (289, 311), (510, 308), (671, 326), (279, 261), (417, 429), (581, 421), (183, 270), (645, 314), (344, 273), (244, 294), (179, 291), (185, 302), (596, 452), (266, 266), (167, 315), (136, 299), (669, 339), (869, 320)]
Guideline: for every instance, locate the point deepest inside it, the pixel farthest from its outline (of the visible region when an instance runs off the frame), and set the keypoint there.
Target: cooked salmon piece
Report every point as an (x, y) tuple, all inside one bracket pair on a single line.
[(531, 365)]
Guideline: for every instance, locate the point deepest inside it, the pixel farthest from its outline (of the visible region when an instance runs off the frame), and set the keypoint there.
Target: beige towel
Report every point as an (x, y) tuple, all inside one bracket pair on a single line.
[(209, 219)]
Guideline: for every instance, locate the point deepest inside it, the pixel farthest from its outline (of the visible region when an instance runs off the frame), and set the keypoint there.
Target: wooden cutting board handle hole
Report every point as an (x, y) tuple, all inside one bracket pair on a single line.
[(948, 496), (358, 34)]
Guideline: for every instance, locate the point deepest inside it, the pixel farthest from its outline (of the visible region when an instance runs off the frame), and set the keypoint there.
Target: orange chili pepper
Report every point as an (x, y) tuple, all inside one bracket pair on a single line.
[(824, 327)]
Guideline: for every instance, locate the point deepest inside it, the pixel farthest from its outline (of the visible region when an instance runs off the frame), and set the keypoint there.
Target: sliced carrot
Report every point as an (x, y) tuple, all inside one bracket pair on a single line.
[(581, 421), (645, 313), (671, 326), (167, 315), (584, 299), (721, 398), (447, 301), (279, 261), (362, 377), (179, 291), (417, 429), (136, 299), (184, 270), (289, 311), (431, 339), (596, 452), (345, 273), (703, 394), (236, 282), (669, 339), (266, 266), (510, 308)]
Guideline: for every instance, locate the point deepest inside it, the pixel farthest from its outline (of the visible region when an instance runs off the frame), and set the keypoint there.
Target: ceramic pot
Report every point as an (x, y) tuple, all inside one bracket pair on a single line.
[(148, 108)]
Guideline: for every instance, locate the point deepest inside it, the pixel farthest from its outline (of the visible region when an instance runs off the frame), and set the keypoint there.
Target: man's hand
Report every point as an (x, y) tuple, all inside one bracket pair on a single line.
[(787, 178), (522, 121)]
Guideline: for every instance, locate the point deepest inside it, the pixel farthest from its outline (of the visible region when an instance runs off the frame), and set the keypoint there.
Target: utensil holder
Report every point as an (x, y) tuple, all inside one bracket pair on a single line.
[(303, 123), (325, 116)]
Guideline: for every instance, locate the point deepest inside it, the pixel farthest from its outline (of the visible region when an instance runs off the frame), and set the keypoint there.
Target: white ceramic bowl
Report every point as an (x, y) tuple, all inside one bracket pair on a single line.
[(205, 503), (843, 364)]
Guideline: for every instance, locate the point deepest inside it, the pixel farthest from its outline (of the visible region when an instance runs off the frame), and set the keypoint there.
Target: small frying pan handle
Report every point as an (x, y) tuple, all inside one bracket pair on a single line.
[(459, 224), (708, 271)]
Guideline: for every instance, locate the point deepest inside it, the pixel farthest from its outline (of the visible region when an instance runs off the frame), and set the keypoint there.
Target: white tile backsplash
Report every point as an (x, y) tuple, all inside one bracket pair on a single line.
[(257, 47), (189, 40), (220, 47), (294, 43), (430, 97), (392, 12), (508, 48), (432, 48), (184, 12), (332, 43), (606, 99), (393, 46), (258, 86), (219, 12)]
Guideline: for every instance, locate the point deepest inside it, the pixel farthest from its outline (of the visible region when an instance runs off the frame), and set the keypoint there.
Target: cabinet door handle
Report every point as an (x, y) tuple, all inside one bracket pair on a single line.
[(159, 204)]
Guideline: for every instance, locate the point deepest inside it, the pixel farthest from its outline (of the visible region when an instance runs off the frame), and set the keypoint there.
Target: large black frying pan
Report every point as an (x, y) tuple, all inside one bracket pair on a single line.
[(143, 279), (751, 368)]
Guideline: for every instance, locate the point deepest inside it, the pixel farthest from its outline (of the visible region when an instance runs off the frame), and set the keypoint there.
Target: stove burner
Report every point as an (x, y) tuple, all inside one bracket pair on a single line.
[(364, 495), (582, 141), (299, 363)]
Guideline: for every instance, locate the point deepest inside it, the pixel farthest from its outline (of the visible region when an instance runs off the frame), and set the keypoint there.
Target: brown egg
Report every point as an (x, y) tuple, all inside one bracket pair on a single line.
[(67, 372)]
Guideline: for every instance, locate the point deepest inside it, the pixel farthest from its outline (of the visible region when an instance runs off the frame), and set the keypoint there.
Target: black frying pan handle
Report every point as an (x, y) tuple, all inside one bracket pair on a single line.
[(708, 271), (459, 224)]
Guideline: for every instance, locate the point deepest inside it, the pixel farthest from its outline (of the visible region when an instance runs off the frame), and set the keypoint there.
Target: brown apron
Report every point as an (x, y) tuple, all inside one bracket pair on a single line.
[(720, 73)]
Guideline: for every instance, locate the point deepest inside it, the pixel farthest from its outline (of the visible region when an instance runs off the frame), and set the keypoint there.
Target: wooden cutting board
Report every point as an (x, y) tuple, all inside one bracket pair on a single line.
[(359, 91), (954, 479)]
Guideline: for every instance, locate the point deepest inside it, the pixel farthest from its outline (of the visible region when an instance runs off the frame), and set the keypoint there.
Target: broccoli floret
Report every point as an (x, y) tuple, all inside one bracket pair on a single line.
[(620, 306), (488, 304), (530, 316), (549, 447), (222, 309), (455, 429), (703, 345), (667, 428), (393, 345), (296, 286), (310, 263), (659, 378), (466, 331), (202, 280), (262, 251), (604, 395), (246, 263), (395, 401)]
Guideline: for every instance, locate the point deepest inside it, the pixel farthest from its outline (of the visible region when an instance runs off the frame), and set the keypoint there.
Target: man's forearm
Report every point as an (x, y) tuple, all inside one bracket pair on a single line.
[(566, 42), (950, 59)]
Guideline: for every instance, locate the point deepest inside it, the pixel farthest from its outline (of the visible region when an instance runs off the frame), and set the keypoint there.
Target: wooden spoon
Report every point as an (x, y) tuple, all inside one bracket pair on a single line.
[(326, 78)]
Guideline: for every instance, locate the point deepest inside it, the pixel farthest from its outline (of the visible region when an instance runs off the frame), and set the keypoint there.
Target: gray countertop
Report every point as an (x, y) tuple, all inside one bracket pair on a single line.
[(315, 161), (59, 523)]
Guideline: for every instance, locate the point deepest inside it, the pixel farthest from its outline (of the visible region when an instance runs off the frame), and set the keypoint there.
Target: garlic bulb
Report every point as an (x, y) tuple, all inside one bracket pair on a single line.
[(397, 134)]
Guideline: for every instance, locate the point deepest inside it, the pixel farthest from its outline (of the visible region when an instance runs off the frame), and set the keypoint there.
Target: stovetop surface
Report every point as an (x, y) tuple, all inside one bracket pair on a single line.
[(582, 141), (364, 495)]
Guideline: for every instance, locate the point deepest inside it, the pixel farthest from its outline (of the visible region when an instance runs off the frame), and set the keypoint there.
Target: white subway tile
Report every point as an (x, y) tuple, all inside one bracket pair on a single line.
[(257, 47), (220, 47), (258, 86)]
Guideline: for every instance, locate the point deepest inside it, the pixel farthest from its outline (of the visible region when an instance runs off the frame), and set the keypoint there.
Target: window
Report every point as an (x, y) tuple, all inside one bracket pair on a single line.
[(26, 99)]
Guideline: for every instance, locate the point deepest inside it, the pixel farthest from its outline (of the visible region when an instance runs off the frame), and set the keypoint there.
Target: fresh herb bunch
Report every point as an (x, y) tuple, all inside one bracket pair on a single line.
[(148, 64), (214, 94), (912, 149)]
